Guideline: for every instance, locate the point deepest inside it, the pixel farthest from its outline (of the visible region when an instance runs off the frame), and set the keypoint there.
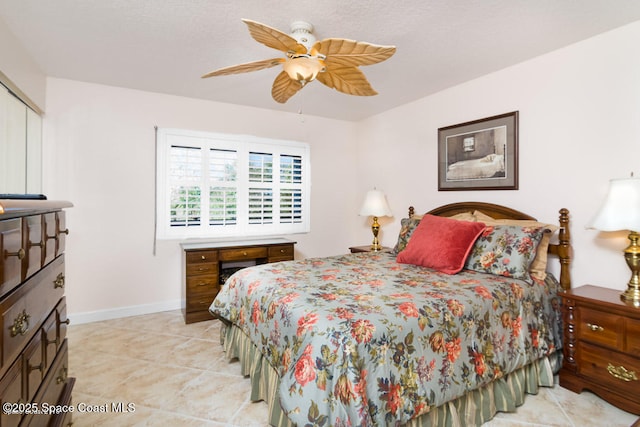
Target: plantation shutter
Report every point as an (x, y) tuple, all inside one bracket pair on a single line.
[(215, 185), (291, 189), (185, 175), (223, 187)]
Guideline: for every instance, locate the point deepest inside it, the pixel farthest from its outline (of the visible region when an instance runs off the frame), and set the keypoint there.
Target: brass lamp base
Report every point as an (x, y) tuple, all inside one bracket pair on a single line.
[(375, 228), (632, 256)]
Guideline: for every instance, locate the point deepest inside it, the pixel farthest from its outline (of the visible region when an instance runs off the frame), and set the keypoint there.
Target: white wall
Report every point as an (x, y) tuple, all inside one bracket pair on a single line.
[(99, 151), (579, 127)]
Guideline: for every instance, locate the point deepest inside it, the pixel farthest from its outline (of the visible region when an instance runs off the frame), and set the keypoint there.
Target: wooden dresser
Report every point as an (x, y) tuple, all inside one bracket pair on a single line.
[(34, 386), (207, 265), (602, 346)]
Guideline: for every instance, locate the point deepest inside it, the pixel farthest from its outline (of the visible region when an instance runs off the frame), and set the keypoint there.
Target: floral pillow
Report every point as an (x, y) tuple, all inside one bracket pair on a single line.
[(407, 226), (505, 250), (538, 267)]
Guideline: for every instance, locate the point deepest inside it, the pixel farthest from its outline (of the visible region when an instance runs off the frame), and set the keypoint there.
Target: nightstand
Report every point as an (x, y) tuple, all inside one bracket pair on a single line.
[(601, 346), (367, 248)]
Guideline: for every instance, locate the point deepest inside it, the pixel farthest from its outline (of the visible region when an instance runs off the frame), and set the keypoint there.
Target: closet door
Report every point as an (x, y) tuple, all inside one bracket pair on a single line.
[(34, 152), (13, 147), (4, 146)]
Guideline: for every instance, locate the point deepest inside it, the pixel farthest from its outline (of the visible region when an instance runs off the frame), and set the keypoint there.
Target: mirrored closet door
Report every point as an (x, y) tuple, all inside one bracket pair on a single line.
[(20, 146)]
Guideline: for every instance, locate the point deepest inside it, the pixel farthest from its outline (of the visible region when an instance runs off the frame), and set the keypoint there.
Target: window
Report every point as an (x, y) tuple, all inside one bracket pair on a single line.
[(215, 185)]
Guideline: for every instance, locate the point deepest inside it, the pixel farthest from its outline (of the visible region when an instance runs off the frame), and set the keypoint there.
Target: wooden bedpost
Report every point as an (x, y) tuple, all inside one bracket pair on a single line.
[(564, 249)]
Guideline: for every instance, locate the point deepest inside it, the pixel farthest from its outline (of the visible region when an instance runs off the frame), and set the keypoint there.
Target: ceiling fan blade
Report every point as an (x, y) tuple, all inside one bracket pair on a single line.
[(349, 80), (273, 38), (351, 52), (284, 87), (245, 68)]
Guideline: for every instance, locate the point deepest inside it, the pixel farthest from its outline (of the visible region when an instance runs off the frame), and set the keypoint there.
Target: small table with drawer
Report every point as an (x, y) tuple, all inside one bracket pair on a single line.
[(207, 265), (602, 346)]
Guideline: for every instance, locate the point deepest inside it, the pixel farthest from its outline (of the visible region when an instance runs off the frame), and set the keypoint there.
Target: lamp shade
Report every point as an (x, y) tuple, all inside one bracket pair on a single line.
[(303, 68), (621, 208), (375, 204)]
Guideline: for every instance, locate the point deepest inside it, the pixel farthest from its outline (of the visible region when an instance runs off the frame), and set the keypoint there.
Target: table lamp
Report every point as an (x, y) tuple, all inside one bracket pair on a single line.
[(375, 204), (621, 211)]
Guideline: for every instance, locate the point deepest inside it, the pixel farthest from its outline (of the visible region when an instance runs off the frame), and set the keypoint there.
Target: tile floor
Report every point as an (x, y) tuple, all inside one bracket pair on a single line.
[(176, 375)]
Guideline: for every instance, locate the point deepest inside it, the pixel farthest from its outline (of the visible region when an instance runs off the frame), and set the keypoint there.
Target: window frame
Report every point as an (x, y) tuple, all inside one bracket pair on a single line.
[(243, 145)]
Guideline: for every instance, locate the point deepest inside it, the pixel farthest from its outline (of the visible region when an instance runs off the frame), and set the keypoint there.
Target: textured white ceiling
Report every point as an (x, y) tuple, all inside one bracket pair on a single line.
[(166, 45)]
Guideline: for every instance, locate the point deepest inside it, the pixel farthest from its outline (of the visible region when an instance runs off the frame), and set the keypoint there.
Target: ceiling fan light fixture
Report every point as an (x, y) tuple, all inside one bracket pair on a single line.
[(303, 68), (305, 58)]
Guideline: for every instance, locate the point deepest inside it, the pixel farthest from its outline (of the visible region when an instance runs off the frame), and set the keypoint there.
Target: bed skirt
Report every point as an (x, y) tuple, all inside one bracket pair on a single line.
[(472, 409)]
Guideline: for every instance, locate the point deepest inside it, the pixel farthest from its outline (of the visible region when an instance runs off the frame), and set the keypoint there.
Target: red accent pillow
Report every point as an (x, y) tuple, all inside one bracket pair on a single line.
[(441, 243)]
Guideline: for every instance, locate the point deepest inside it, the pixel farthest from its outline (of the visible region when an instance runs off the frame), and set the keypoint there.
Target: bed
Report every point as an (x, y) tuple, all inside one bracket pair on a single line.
[(373, 339), (489, 166)]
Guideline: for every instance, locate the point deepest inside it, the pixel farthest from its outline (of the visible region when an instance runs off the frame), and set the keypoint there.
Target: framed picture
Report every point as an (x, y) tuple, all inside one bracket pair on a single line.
[(479, 155)]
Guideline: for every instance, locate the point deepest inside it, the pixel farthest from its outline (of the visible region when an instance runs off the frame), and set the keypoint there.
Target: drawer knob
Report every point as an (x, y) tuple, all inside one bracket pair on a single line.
[(39, 244), (244, 253), (35, 368), (282, 251), (595, 328), (621, 373), (20, 324), (56, 341), (20, 254), (203, 257), (66, 322), (62, 376), (59, 282), (65, 231)]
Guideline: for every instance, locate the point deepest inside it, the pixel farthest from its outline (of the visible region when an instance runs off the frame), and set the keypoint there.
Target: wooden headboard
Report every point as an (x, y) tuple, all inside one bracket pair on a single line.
[(561, 249)]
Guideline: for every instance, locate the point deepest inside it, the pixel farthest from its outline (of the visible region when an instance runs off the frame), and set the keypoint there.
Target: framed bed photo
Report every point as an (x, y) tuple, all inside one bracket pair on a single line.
[(479, 155)]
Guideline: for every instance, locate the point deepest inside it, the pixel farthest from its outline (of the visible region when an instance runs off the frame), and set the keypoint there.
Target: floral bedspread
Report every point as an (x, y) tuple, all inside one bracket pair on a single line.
[(360, 340)]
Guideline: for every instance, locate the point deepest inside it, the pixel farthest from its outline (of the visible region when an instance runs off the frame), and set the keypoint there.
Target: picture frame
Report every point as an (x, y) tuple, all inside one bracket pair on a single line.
[(479, 155)]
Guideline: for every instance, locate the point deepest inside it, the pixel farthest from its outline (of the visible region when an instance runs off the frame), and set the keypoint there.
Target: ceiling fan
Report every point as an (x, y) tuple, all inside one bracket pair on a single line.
[(334, 62)]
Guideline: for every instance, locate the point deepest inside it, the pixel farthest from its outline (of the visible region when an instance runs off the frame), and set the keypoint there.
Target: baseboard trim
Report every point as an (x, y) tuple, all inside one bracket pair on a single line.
[(116, 313)]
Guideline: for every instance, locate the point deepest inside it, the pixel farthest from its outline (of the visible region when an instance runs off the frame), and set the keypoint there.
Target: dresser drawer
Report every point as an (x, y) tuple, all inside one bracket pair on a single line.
[(12, 254), (50, 237), (201, 301), (240, 254), (201, 263), (618, 371), (61, 232), (57, 377), (601, 328), (202, 268), (11, 392), (25, 309), (281, 252), (201, 257), (50, 338), (34, 243), (62, 320), (204, 283), (33, 366), (53, 388)]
